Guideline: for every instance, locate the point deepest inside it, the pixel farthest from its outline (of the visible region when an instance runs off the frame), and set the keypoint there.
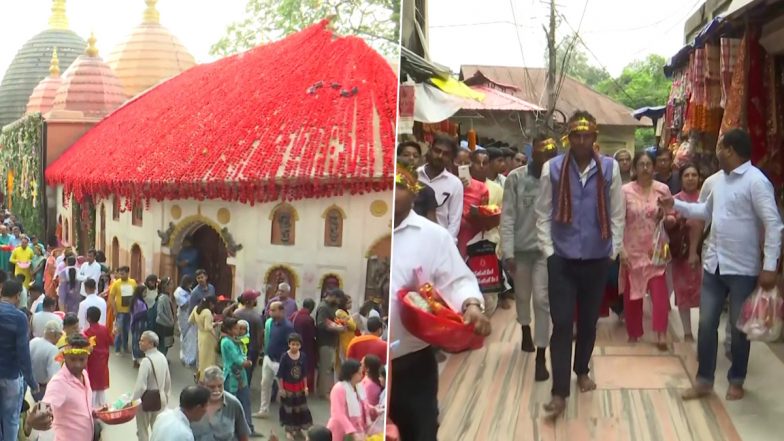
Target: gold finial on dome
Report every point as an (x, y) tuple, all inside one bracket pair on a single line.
[(54, 67), (92, 50), (58, 19), (151, 14)]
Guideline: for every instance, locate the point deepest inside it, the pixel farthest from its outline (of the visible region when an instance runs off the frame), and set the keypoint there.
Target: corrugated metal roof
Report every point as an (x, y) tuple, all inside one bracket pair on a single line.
[(574, 94)]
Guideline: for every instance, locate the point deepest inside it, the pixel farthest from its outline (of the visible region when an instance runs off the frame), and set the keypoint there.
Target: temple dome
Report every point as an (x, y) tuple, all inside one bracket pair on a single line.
[(42, 98), (31, 63), (149, 55), (89, 86)]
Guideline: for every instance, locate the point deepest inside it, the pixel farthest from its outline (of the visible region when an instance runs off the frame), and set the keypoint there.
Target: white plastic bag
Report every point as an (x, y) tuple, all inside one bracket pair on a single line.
[(761, 316)]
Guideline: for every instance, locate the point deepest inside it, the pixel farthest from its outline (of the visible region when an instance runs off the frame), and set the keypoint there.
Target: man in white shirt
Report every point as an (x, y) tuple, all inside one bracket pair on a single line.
[(91, 299), (43, 351), (741, 207), (446, 186), (420, 243), (696, 238), (90, 269), (175, 424), (580, 220), (40, 319)]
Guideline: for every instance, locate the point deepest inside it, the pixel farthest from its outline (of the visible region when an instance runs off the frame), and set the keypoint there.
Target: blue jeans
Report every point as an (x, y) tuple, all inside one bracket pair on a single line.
[(715, 289), (243, 395), (11, 396), (121, 339)]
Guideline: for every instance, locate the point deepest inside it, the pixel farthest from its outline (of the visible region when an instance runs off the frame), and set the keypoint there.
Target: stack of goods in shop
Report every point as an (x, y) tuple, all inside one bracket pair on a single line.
[(427, 317)]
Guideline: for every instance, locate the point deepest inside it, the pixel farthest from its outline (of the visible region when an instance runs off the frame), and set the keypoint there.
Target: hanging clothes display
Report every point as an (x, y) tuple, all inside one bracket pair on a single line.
[(734, 109), (729, 57), (713, 109), (756, 98)]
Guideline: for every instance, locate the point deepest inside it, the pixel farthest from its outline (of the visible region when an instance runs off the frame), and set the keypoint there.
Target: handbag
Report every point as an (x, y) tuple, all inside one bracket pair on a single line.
[(483, 262), (151, 399)]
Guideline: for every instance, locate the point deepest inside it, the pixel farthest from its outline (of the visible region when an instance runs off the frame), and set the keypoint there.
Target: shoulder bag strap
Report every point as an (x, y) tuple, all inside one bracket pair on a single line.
[(152, 366)]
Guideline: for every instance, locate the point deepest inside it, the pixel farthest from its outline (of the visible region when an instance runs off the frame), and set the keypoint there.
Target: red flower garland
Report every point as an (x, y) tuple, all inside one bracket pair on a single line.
[(256, 127)]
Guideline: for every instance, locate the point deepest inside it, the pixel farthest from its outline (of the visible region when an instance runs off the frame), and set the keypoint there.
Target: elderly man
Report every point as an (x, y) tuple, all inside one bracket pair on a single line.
[(279, 333), (153, 376), (283, 295), (225, 419), (43, 351), (175, 424)]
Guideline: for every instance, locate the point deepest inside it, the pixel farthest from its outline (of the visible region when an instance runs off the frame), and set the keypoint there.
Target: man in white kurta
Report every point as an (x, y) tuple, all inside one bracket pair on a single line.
[(420, 243)]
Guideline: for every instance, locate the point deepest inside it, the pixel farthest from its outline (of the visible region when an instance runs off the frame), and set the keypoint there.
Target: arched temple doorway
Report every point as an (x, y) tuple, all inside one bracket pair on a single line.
[(115, 253), (211, 252), (377, 275), (330, 281), (136, 264), (277, 275)]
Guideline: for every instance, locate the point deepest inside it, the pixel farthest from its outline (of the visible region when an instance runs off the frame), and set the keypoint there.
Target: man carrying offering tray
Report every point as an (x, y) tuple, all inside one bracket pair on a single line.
[(424, 253)]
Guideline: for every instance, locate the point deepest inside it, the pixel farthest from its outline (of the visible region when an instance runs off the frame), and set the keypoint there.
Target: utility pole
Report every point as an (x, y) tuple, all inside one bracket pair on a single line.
[(551, 69)]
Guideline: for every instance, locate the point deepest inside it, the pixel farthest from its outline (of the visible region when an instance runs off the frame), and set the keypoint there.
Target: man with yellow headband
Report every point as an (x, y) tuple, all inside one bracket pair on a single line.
[(69, 394), (420, 243), (580, 220), (520, 251)]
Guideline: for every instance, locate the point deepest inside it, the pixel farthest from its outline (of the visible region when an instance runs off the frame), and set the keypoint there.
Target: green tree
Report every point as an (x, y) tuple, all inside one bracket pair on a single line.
[(642, 83), (571, 51), (376, 21)]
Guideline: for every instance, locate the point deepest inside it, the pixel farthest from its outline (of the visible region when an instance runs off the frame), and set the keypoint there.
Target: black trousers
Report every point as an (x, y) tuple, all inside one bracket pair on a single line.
[(580, 284), (413, 403)]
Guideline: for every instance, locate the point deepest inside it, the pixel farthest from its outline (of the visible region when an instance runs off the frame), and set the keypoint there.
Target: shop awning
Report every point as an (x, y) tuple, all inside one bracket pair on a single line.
[(653, 113), (495, 99)]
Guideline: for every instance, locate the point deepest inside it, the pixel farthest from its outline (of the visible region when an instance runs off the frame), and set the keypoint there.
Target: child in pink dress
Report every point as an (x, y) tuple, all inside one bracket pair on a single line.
[(638, 273)]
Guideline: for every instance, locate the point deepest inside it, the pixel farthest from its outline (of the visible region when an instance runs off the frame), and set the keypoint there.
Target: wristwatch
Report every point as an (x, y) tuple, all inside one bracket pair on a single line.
[(473, 302)]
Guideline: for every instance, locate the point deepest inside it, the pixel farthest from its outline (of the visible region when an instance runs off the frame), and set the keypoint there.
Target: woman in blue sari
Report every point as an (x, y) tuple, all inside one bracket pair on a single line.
[(138, 322)]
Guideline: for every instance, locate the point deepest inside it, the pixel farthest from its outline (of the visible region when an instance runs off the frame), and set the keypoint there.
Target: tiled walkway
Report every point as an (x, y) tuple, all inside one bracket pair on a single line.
[(490, 394)]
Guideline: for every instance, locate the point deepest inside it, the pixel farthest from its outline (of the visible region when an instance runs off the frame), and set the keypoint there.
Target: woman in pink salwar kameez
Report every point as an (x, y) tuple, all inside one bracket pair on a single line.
[(349, 412), (638, 274), (686, 270)]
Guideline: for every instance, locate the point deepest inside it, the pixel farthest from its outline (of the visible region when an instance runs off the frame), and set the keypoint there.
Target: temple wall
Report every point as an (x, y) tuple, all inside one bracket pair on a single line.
[(367, 221)]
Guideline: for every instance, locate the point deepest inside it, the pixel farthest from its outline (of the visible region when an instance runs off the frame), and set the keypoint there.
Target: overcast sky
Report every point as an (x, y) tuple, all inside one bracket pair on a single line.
[(197, 23), (616, 31)]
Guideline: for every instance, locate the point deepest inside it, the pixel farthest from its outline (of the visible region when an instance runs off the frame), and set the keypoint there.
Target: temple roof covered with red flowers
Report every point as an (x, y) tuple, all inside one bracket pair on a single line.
[(312, 115)]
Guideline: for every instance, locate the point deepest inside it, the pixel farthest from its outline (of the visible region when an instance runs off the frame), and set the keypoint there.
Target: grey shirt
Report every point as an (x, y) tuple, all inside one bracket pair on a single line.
[(518, 218), (165, 315), (227, 424)]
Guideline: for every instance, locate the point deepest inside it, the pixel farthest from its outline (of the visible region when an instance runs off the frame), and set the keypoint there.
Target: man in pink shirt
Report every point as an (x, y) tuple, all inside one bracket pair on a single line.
[(70, 396)]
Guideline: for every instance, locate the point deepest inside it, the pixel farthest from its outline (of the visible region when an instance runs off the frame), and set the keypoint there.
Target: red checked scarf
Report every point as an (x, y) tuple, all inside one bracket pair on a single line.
[(564, 214)]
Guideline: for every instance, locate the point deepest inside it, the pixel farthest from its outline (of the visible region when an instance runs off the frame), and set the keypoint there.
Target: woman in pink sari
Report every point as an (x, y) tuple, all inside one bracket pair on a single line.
[(686, 268), (350, 414), (638, 273)]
